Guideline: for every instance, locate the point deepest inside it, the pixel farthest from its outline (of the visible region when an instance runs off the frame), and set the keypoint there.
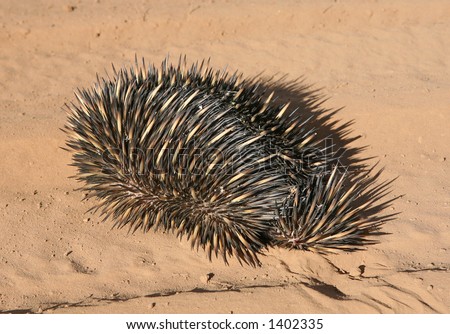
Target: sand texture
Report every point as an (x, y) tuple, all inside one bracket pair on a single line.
[(385, 63)]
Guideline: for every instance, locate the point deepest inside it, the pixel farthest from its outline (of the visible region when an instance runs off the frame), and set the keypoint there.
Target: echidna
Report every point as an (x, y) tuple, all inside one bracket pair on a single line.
[(211, 157)]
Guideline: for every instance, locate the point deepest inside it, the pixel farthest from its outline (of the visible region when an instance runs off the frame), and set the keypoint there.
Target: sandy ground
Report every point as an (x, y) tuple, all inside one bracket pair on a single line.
[(387, 63)]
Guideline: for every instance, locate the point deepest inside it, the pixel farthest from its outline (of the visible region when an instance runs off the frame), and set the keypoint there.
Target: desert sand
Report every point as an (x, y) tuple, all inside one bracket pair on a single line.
[(386, 64)]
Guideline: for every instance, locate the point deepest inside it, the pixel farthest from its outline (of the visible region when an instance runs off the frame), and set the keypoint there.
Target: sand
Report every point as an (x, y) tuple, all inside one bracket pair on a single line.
[(385, 63)]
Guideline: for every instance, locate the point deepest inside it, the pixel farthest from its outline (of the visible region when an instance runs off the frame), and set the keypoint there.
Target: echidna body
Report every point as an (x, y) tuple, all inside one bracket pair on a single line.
[(209, 157)]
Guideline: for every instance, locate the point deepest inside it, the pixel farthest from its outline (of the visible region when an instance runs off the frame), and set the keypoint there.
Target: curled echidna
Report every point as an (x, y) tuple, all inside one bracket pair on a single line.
[(210, 156)]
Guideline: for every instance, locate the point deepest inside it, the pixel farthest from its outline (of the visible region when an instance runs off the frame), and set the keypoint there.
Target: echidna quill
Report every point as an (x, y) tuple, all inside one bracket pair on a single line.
[(211, 157)]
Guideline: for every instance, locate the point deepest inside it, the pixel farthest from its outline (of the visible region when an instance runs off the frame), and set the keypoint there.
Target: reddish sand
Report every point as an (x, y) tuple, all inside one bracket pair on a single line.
[(387, 63)]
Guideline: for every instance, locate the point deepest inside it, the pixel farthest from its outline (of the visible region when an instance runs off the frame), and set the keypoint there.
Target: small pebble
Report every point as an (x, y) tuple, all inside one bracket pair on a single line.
[(206, 278), (362, 269)]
